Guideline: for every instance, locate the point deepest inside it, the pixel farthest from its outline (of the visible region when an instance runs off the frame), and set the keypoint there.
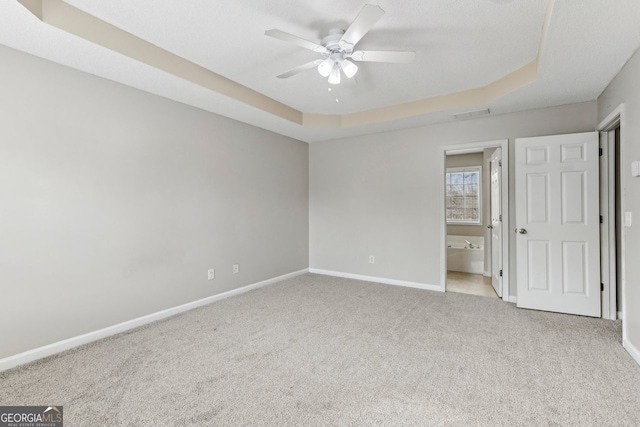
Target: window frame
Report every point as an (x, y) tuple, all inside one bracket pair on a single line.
[(477, 169)]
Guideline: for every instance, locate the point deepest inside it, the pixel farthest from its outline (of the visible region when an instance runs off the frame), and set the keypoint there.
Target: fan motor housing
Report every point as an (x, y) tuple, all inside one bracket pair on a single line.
[(332, 41)]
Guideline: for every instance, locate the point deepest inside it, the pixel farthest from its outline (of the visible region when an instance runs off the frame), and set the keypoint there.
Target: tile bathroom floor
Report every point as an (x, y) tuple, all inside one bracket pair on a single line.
[(467, 283)]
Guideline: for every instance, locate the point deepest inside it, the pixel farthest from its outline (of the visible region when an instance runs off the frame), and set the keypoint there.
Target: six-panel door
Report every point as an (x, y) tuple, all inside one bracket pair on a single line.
[(557, 220)]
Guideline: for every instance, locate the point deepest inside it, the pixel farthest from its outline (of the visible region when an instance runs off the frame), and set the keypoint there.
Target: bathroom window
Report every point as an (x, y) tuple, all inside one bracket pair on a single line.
[(463, 195)]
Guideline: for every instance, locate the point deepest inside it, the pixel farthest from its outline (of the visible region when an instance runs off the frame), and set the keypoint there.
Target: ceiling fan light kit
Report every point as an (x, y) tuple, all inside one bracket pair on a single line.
[(334, 62), (338, 47)]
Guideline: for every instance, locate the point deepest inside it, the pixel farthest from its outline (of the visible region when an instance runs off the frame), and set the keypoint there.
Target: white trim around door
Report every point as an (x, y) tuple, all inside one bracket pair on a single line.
[(611, 122)]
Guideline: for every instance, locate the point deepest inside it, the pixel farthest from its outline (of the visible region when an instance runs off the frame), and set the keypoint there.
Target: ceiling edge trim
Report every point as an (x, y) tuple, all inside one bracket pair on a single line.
[(65, 17), (34, 6), (517, 79), (512, 81), (84, 25)]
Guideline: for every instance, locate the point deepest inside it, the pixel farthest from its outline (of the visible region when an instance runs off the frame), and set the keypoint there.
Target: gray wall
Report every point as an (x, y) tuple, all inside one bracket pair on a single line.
[(625, 88), (462, 160), (378, 194), (114, 203)]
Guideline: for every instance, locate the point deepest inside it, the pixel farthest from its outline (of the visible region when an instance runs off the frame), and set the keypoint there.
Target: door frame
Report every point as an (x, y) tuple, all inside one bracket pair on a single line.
[(490, 207), (615, 119), (471, 148)]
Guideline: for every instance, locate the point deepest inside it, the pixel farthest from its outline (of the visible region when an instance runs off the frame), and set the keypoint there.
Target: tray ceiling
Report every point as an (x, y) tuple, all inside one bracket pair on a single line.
[(459, 46)]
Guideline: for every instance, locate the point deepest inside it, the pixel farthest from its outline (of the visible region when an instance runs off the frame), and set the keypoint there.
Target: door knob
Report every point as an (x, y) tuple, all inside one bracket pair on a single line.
[(522, 231), (489, 226)]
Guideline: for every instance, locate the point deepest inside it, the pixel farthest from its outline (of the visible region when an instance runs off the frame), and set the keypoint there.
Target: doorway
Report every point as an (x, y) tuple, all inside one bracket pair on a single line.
[(474, 219), (612, 199), (612, 220), (610, 238)]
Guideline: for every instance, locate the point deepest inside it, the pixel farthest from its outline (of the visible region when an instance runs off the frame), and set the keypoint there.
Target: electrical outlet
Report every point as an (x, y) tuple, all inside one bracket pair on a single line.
[(211, 274), (236, 268), (372, 259)]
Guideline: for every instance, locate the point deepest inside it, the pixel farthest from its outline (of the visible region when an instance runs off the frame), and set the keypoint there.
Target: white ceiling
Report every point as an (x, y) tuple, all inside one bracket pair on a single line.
[(440, 32), (459, 45)]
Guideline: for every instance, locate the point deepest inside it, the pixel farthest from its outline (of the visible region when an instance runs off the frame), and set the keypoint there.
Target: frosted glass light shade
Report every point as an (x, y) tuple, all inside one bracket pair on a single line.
[(350, 69), (334, 77), (325, 67)]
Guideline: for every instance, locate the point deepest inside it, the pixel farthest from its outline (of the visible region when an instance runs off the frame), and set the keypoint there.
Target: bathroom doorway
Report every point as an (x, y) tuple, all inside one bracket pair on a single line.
[(474, 230)]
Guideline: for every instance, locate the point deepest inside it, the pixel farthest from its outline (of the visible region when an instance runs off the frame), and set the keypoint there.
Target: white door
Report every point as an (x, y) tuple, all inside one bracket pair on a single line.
[(496, 221), (557, 220)]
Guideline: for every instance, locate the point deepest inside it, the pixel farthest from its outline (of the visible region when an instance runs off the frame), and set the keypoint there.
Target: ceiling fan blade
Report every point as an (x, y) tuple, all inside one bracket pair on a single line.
[(396, 57), (300, 69), (290, 38), (366, 19)]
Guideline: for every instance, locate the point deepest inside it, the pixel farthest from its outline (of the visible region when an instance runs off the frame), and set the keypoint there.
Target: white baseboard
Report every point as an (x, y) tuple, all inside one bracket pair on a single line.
[(377, 279), (620, 315), (513, 299), (487, 274), (57, 347), (633, 351)]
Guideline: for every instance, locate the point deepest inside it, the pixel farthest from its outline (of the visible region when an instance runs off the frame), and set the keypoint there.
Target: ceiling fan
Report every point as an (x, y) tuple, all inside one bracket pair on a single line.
[(337, 48)]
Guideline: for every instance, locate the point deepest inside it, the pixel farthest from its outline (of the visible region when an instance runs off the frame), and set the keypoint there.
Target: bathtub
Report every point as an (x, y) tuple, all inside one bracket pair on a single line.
[(462, 257)]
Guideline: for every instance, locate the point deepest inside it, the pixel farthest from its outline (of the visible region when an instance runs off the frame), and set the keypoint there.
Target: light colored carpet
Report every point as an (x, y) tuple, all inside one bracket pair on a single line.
[(318, 350)]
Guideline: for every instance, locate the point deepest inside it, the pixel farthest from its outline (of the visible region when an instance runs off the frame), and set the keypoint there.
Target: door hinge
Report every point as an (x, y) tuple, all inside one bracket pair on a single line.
[(500, 163), (500, 273), (601, 287), (500, 218), (601, 219), (601, 151)]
